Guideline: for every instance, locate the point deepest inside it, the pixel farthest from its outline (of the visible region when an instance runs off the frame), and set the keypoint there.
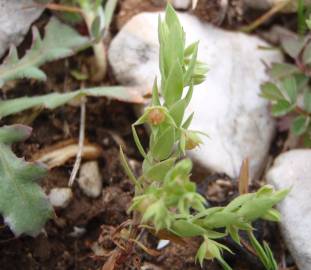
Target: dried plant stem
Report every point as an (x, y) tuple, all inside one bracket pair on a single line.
[(275, 9), (98, 49), (81, 144), (56, 7)]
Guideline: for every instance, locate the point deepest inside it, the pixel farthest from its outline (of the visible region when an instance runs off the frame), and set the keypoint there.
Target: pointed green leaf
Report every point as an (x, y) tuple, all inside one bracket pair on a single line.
[(234, 233), (187, 123), (159, 170), (201, 253), (272, 215), (184, 228), (109, 9), (174, 85), (191, 66), (163, 147)]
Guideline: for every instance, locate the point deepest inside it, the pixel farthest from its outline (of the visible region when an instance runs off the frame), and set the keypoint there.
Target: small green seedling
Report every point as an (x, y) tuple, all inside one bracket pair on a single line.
[(97, 19), (165, 198)]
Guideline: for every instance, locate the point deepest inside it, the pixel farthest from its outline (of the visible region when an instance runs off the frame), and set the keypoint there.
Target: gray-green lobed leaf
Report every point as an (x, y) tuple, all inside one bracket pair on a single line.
[(23, 204), (54, 100), (59, 41)]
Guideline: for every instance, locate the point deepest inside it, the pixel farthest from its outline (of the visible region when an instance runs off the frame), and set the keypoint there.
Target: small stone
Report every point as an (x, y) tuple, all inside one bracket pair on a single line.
[(90, 179), (16, 16), (293, 170), (60, 197), (226, 105), (77, 232), (162, 244), (181, 4)]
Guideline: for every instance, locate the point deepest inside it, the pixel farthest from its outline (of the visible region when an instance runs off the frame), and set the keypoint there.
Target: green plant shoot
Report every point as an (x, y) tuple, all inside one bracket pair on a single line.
[(165, 197)]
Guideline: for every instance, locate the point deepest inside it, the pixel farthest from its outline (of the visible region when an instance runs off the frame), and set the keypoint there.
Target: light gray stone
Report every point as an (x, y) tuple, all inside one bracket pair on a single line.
[(60, 197), (226, 105), (293, 170), (16, 17), (181, 4), (90, 179)]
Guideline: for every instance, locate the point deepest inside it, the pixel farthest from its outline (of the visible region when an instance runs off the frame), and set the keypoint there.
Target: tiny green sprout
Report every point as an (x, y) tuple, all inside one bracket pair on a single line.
[(165, 197), (97, 19)]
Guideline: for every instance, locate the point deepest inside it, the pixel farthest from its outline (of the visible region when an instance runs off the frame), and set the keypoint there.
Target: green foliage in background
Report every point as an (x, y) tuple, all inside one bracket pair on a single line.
[(165, 197), (289, 89)]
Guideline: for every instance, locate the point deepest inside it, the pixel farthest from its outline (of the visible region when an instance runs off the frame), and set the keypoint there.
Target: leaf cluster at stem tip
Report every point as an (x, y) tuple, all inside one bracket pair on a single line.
[(164, 195)]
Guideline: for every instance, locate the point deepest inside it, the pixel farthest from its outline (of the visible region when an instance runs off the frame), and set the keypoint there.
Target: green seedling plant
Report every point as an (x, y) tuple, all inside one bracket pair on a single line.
[(97, 19), (165, 197), (289, 89)]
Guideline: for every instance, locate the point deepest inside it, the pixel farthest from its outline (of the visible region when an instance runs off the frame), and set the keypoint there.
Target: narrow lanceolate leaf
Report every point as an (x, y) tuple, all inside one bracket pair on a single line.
[(23, 204), (54, 100), (59, 41)]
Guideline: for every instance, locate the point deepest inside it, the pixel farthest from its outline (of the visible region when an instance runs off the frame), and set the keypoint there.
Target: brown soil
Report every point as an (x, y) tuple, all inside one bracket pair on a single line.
[(67, 240)]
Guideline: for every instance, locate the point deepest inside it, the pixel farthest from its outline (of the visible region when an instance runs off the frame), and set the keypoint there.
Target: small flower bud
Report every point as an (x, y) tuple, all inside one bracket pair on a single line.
[(192, 140), (156, 117)]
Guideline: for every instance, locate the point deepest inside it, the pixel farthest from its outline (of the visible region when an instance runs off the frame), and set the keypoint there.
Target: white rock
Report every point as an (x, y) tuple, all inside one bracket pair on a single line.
[(90, 179), (181, 4), (162, 244), (16, 16), (60, 197), (226, 105), (293, 170)]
